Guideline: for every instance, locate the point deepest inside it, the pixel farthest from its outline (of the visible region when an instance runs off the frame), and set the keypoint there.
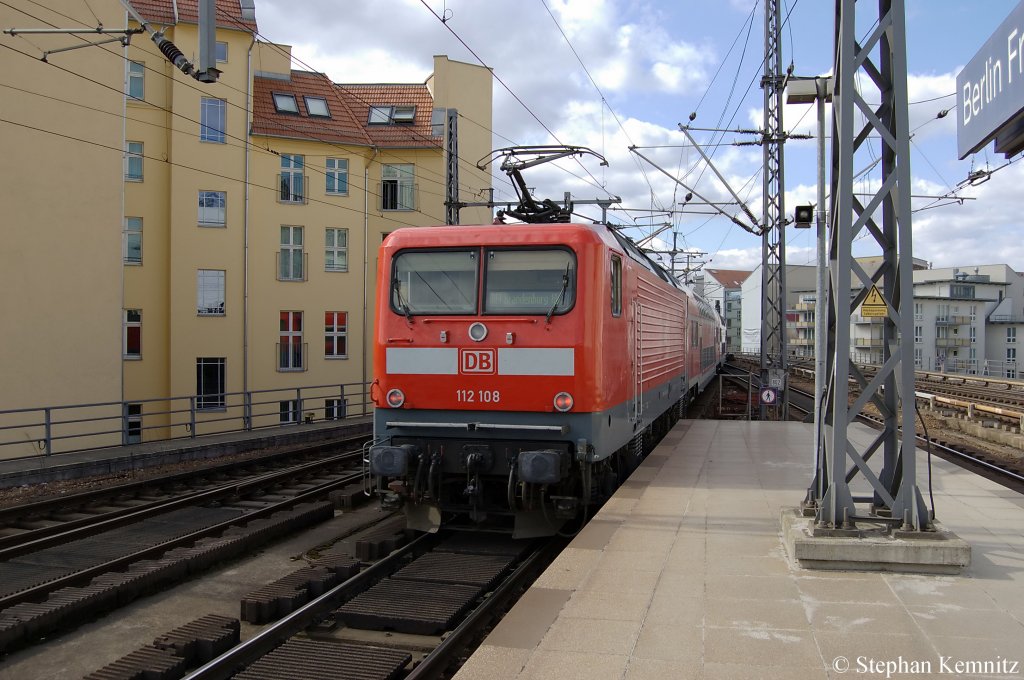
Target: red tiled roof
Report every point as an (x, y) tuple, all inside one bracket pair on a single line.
[(229, 13), (418, 133), (729, 278), (350, 112), (342, 126)]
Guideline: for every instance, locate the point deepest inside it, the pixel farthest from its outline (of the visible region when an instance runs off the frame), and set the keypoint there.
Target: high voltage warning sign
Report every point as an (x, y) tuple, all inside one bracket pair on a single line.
[(874, 305)]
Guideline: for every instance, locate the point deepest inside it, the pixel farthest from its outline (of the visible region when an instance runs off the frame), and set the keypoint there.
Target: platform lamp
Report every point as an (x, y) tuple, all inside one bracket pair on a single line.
[(810, 91)]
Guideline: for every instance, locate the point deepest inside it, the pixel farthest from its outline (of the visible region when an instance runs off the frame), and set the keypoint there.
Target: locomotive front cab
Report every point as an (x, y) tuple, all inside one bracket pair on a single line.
[(476, 384)]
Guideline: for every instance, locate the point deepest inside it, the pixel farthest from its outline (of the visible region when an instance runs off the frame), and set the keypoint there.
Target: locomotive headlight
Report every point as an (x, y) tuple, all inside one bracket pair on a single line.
[(477, 332), (563, 401), (395, 398)]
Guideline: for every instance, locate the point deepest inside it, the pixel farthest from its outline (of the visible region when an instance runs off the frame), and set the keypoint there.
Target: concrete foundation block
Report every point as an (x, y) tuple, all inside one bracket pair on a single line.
[(931, 552)]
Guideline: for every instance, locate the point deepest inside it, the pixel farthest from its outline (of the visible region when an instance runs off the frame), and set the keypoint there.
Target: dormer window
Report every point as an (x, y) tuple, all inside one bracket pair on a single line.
[(392, 115), (403, 114), (285, 103), (380, 115), (317, 106)]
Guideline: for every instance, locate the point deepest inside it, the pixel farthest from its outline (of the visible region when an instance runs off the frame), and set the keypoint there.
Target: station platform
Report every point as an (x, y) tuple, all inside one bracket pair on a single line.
[(116, 460), (683, 574)]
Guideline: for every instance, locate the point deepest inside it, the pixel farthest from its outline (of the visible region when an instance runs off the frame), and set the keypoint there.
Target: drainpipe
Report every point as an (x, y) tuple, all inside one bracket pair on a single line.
[(124, 143), (247, 407), (366, 250)]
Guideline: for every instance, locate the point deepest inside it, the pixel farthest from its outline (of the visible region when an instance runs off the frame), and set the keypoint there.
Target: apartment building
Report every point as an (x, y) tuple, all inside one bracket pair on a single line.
[(228, 231), (724, 290)]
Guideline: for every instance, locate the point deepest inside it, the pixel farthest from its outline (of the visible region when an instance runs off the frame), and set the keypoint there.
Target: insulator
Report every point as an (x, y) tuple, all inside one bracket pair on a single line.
[(173, 54)]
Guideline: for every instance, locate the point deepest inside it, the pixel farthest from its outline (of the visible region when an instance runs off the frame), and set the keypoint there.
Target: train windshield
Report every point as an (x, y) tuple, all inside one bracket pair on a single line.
[(434, 282), (530, 281)]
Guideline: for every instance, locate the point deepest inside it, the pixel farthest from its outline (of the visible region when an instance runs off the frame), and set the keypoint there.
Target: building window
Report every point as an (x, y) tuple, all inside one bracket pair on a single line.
[(136, 80), (336, 251), (396, 191), (285, 103), (438, 117), (291, 179), (132, 334), (616, 285), (222, 51), (133, 240), (918, 311), (334, 409), (1011, 335), (210, 383), (290, 350), (335, 335), (388, 115), (291, 257), (212, 120), (962, 291), (317, 106), (133, 162), (337, 175), (132, 423), (213, 208), (210, 292), (918, 334), (289, 410), (918, 357), (974, 313), (974, 334)]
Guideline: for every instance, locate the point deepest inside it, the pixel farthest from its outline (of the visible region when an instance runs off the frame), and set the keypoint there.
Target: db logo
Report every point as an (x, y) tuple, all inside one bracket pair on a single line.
[(478, 361)]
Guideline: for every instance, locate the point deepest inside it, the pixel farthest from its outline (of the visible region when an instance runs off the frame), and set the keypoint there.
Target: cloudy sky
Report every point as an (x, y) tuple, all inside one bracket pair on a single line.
[(610, 74)]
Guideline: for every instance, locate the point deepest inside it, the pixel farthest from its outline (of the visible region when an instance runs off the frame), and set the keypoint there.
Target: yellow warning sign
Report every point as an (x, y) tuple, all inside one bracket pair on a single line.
[(874, 304)]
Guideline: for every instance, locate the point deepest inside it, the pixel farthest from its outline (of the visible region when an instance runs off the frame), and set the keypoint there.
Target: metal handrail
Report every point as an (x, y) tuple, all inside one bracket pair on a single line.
[(89, 426)]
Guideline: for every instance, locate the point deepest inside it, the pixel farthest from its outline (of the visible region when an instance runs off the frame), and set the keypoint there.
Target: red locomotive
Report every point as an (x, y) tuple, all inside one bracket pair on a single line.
[(524, 370)]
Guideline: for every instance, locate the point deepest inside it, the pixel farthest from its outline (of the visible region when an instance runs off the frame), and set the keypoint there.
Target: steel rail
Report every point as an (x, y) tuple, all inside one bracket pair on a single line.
[(12, 512), (438, 659), (231, 661), (38, 539), (43, 589)]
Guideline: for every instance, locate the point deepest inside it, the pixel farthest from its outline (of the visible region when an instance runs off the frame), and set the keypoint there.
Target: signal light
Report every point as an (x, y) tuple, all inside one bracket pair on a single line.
[(803, 215), (395, 398), (563, 401)]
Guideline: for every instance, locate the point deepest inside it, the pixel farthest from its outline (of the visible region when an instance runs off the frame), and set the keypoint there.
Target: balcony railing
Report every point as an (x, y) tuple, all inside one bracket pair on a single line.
[(952, 342), (952, 320), (1006, 318), (857, 318), (867, 342)]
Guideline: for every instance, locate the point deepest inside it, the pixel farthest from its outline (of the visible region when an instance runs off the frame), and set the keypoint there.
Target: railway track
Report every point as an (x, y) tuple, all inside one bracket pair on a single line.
[(976, 460), (52, 581), (410, 615), (39, 524)]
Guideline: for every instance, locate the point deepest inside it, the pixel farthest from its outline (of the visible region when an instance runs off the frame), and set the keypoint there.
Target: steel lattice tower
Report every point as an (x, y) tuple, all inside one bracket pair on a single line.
[(875, 71), (451, 136), (773, 238)]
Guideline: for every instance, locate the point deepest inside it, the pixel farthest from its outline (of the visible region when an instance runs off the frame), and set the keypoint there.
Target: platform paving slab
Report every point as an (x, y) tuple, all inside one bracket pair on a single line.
[(726, 603)]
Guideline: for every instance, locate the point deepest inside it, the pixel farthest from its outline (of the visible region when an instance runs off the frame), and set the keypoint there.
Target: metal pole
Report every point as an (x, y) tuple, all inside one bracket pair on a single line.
[(820, 291)]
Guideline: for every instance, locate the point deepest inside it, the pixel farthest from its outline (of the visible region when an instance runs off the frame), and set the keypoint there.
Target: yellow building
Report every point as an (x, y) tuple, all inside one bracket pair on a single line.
[(239, 279)]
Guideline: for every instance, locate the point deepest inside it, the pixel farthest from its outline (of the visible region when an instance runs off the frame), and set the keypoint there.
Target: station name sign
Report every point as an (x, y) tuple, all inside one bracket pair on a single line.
[(990, 89)]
